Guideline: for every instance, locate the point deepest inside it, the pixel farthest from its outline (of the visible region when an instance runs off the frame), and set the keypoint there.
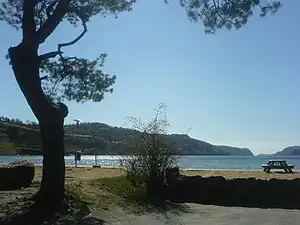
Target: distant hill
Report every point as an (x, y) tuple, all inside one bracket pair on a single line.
[(289, 151), (105, 139), (234, 150), (187, 145)]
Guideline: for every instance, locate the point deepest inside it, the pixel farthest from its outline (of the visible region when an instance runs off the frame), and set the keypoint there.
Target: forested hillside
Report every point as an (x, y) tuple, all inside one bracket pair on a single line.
[(99, 138), (289, 151)]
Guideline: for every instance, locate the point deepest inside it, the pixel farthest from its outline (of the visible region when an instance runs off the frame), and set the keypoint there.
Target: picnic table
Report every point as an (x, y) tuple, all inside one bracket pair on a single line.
[(277, 164)]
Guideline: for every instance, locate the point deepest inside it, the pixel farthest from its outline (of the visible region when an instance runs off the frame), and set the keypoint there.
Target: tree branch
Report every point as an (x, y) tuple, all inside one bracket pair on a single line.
[(55, 84), (76, 39), (44, 77), (50, 8), (60, 46), (81, 34), (49, 55), (28, 22), (53, 21)]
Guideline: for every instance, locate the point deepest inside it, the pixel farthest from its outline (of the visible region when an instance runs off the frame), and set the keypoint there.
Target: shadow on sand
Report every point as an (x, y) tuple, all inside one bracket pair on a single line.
[(30, 214)]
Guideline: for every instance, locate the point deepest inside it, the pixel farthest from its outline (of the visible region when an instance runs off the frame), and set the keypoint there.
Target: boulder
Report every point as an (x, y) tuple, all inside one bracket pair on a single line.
[(16, 175)]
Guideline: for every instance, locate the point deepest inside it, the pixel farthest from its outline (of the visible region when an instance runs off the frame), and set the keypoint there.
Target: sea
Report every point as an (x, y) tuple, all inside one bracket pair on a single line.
[(185, 162)]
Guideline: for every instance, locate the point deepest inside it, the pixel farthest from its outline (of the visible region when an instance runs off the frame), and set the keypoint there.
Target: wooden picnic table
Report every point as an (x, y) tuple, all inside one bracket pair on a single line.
[(277, 164)]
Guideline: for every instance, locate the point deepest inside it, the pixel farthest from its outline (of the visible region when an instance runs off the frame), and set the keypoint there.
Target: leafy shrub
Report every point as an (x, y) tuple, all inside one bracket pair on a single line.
[(153, 155)]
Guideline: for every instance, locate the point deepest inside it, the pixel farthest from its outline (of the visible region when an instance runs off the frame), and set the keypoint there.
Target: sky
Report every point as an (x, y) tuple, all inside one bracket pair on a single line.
[(237, 88)]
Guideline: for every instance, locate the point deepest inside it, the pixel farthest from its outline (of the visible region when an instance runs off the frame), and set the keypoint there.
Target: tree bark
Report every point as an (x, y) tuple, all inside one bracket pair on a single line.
[(26, 65), (52, 188)]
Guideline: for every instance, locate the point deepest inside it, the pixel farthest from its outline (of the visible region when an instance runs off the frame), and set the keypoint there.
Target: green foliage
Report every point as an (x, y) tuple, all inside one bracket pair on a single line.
[(80, 79), (66, 78), (291, 150), (123, 188), (153, 156), (115, 140), (217, 14), (7, 146), (11, 11), (7, 149)]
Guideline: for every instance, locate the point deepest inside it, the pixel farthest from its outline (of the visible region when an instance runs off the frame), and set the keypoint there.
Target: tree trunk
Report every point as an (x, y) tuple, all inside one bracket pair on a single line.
[(26, 64), (53, 179)]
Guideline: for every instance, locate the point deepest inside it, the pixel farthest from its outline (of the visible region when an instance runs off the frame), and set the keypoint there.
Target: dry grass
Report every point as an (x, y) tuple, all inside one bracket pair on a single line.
[(87, 183), (84, 173)]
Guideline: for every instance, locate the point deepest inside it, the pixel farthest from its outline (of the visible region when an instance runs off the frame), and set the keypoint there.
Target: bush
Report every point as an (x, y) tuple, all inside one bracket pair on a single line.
[(153, 155)]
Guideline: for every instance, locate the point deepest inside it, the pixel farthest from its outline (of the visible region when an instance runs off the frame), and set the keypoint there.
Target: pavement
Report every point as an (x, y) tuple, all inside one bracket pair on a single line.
[(195, 214)]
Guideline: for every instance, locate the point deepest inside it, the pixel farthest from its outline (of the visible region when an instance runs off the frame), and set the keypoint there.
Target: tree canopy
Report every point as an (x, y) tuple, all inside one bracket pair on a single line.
[(217, 14), (70, 78)]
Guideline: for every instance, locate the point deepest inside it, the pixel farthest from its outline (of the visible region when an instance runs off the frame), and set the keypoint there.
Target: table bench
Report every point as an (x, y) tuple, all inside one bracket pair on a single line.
[(278, 164)]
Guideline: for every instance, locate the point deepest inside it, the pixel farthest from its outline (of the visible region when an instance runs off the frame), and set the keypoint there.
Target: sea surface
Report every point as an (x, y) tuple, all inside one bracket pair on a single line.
[(185, 162)]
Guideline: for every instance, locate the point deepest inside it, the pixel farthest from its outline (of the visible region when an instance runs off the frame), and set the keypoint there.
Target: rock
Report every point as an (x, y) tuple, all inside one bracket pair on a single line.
[(20, 163), (16, 175)]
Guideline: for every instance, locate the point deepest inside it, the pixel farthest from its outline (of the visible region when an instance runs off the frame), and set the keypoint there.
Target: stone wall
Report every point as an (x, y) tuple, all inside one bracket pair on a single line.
[(244, 192)]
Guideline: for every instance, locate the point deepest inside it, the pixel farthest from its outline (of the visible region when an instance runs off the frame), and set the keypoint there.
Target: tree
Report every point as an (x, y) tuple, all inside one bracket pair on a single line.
[(47, 79)]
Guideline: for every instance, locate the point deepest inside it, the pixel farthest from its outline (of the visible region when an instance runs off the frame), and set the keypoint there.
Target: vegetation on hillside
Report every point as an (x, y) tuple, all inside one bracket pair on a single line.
[(291, 151), (104, 139)]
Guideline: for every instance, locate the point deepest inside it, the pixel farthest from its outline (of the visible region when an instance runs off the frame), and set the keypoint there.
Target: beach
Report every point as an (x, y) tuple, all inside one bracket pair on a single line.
[(104, 205), (89, 173)]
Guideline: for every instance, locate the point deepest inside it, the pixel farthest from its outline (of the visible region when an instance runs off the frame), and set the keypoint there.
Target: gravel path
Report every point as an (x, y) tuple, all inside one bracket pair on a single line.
[(209, 215)]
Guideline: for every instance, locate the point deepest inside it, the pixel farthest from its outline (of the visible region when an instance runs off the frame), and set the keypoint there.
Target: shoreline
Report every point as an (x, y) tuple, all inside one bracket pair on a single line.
[(181, 169), (88, 173)]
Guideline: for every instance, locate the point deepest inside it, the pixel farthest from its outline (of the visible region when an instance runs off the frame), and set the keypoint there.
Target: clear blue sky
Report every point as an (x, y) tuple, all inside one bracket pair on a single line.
[(238, 88)]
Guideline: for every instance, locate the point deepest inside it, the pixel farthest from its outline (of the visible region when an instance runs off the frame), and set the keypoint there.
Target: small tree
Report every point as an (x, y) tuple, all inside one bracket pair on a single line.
[(154, 153)]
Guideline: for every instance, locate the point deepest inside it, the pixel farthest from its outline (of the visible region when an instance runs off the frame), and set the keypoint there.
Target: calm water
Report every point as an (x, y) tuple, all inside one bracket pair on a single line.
[(186, 162)]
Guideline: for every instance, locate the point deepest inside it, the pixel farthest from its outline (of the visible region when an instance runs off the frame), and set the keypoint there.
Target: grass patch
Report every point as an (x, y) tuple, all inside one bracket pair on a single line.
[(7, 149), (123, 188), (119, 191), (77, 199)]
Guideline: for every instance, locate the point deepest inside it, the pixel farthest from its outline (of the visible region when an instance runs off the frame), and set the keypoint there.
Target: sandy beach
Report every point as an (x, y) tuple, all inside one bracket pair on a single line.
[(88, 173), (105, 206)]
